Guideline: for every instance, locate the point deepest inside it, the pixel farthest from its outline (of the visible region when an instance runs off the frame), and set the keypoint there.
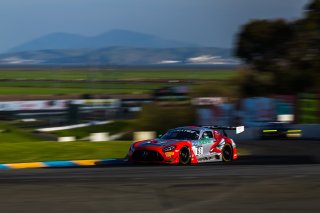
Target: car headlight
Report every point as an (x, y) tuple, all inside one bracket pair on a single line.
[(169, 148)]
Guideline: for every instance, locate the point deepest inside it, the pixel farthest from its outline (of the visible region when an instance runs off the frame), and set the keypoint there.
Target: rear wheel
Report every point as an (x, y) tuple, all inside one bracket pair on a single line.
[(227, 153), (184, 156)]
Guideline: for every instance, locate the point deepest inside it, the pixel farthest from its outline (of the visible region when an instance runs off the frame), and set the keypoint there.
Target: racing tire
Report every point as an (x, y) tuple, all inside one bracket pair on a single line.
[(184, 156), (227, 153)]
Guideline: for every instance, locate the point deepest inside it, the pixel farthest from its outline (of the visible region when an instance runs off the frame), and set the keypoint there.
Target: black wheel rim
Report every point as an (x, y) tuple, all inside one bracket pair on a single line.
[(184, 155), (227, 153)]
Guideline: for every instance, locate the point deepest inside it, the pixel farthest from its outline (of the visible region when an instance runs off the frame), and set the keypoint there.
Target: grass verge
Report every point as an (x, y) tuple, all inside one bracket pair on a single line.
[(21, 152), (19, 146), (119, 74), (47, 88), (12, 134)]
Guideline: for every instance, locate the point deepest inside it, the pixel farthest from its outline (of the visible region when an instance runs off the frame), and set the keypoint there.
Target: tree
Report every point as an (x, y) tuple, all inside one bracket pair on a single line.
[(158, 118), (289, 51), (262, 43), (306, 43)]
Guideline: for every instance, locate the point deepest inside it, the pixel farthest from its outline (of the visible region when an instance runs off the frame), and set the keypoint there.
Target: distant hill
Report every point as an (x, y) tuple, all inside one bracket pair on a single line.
[(116, 47), (119, 38), (123, 56)]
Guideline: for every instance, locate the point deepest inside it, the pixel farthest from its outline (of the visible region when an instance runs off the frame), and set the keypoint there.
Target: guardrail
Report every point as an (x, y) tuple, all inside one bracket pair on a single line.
[(51, 129)]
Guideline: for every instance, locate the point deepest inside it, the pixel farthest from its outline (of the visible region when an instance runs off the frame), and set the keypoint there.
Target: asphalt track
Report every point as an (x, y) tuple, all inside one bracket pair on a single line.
[(279, 176)]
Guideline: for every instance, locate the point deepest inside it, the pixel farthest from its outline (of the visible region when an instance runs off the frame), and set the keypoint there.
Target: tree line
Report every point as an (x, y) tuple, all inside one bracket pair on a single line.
[(281, 57)]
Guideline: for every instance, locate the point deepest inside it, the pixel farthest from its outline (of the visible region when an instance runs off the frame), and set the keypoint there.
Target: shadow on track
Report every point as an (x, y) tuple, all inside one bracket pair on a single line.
[(275, 160), (242, 160)]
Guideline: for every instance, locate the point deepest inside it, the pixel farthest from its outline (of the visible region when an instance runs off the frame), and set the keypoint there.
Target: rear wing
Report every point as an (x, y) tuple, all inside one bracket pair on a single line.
[(238, 129)]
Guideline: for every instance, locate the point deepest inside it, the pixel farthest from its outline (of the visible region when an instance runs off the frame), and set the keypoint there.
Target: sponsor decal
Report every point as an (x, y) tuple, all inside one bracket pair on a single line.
[(186, 130), (58, 104), (208, 158), (169, 154), (202, 141)]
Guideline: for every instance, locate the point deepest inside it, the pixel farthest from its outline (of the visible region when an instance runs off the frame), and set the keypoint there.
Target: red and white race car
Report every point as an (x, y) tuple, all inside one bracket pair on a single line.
[(187, 145)]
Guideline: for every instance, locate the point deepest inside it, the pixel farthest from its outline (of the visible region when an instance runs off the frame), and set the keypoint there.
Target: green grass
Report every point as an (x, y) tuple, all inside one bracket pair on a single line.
[(24, 85), (20, 152), (59, 91), (119, 74), (47, 88), (11, 134), (19, 146), (80, 85)]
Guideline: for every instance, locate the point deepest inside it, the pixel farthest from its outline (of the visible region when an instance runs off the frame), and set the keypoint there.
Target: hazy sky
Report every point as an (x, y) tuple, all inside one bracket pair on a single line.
[(206, 22)]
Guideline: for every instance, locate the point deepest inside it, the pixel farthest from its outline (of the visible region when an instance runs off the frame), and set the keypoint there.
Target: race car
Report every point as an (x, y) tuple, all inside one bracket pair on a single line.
[(187, 145), (279, 130)]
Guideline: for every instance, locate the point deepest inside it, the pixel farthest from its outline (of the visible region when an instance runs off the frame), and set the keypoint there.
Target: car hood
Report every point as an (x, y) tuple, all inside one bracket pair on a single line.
[(158, 142)]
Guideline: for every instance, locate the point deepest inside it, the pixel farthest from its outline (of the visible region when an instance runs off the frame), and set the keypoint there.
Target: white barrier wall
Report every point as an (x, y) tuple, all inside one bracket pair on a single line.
[(99, 137), (139, 136), (66, 139)]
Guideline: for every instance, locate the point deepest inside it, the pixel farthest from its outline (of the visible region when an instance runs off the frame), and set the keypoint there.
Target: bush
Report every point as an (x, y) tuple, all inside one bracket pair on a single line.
[(157, 118)]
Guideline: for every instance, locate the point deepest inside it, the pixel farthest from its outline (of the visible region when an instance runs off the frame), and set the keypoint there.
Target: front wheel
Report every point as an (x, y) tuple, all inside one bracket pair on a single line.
[(184, 156), (227, 153)]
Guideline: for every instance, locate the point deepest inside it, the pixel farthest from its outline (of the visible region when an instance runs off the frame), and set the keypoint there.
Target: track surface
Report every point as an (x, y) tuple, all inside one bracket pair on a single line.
[(281, 176)]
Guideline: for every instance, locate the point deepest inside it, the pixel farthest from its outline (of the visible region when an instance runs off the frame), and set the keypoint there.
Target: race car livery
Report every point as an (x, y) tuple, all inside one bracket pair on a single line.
[(187, 145)]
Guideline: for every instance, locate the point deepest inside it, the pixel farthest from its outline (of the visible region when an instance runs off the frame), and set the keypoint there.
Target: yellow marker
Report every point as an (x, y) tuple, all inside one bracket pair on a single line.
[(294, 130), (270, 130), (26, 165), (293, 135), (85, 162)]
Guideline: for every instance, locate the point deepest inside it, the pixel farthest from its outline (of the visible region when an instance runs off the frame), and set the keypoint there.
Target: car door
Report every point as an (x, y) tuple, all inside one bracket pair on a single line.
[(202, 147), (207, 141)]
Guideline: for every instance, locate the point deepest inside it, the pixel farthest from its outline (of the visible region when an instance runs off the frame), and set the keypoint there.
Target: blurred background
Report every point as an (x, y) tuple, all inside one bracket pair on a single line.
[(140, 70), (84, 71)]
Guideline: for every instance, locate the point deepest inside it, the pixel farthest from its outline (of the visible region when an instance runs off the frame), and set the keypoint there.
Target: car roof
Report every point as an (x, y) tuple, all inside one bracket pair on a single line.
[(195, 128)]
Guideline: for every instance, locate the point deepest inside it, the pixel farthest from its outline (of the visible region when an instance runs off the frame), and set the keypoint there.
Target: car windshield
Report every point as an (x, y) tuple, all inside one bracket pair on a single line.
[(181, 134)]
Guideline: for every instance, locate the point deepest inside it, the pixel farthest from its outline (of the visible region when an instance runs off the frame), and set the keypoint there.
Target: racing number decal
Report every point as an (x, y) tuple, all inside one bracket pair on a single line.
[(199, 150)]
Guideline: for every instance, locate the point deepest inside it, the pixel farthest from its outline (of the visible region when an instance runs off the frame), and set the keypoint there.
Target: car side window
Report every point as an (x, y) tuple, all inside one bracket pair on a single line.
[(206, 135)]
